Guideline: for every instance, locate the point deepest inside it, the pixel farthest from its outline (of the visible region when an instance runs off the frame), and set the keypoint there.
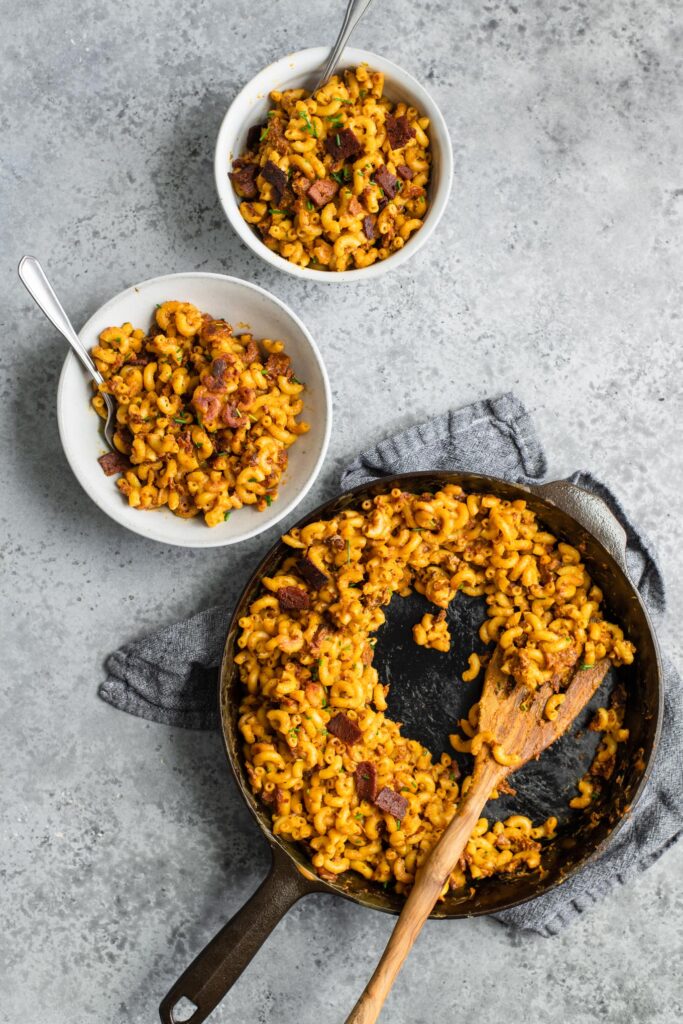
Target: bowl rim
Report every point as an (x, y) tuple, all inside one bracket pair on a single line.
[(309, 58), (147, 527)]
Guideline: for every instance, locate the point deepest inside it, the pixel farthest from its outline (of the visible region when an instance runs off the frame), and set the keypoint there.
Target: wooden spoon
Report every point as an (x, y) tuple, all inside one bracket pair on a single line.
[(511, 716)]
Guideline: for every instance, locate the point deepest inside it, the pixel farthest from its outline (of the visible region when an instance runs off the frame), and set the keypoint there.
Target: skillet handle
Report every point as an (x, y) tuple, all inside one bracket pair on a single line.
[(589, 510), (216, 969)]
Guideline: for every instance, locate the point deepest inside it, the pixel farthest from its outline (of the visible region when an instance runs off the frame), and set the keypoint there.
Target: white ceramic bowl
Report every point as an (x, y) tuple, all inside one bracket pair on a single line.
[(296, 71), (80, 427)]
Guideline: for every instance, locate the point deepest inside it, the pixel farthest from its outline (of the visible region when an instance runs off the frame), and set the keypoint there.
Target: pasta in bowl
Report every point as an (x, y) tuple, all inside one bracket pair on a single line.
[(339, 185), (204, 417), (161, 374)]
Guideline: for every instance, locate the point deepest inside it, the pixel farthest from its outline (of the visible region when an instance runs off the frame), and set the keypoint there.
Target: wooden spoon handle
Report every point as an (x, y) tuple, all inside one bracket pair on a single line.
[(428, 886)]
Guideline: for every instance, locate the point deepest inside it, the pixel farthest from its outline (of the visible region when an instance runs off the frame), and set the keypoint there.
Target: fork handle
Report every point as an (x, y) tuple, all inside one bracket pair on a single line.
[(39, 288), (354, 12), (428, 886)]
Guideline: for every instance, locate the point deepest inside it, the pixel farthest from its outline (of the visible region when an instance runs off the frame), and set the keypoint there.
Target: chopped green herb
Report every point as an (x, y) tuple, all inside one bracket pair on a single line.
[(452, 776), (363, 93), (334, 119), (309, 205), (337, 140), (310, 128), (158, 305), (585, 665), (296, 380), (385, 885), (263, 135), (272, 212), (269, 499), (337, 175), (180, 419), (398, 823), (227, 515)]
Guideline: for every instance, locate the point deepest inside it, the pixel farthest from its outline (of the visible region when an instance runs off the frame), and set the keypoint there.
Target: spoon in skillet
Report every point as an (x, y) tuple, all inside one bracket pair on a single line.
[(355, 10), (39, 288), (512, 728)]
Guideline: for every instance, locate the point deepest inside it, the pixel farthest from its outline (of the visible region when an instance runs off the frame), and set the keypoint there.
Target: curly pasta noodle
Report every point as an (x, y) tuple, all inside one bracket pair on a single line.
[(320, 750), (204, 418), (338, 179)]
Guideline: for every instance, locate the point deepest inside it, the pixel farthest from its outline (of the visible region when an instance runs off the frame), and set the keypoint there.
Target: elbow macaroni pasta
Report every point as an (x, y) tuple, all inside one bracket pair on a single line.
[(302, 666), (203, 417), (359, 215)]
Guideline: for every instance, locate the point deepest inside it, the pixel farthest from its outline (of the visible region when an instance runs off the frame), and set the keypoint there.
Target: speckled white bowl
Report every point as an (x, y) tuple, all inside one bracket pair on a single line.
[(239, 302), (295, 71)]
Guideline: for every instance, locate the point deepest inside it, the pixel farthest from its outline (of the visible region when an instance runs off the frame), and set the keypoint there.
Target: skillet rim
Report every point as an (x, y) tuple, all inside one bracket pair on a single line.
[(379, 901)]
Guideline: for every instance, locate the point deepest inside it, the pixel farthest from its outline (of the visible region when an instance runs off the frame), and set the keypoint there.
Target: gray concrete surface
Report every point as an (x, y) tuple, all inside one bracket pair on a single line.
[(556, 272)]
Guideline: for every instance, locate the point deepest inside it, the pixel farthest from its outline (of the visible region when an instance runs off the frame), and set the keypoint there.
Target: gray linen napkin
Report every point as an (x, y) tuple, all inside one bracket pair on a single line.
[(170, 677)]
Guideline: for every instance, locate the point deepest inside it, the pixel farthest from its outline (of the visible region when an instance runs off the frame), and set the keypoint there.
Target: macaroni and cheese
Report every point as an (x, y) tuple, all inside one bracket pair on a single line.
[(337, 772), (204, 417), (338, 179)]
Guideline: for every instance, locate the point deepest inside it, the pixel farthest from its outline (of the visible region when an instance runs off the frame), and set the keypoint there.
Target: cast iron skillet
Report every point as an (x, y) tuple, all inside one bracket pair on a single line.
[(428, 697)]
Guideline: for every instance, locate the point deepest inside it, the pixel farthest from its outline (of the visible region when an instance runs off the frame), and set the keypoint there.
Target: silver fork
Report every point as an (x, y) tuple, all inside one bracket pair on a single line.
[(354, 12), (39, 288)]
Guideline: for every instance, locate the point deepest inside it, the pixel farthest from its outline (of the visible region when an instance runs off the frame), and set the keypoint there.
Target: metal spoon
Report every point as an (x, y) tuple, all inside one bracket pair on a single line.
[(39, 288), (354, 12)]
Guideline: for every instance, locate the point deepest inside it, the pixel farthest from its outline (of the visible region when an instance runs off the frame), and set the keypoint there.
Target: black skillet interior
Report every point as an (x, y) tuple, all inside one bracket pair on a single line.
[(428, 696)]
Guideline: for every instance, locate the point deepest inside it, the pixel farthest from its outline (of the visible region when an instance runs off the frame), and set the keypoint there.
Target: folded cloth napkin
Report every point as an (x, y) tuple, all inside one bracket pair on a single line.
[(170, 677)]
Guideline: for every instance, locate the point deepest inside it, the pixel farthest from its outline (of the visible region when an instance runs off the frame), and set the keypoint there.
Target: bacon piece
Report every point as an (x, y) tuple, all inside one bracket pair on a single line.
[(232, 418), (207, 404), (214, 331), (114, 462), (254, 135), (391, 802), (354, 207), (277, 178), (405, 172), (336, 542), (321, 191), (138, 361), (370, 227), (367, 655), (245, 396), (276, 135), (184, 440), (293, 599), (321, 633), (311, 573), (250, 354), (278, 365), (345, 729), (244, 180), (300, 185), (399, 131), (386, 181), (366, 781), (343, 145)]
